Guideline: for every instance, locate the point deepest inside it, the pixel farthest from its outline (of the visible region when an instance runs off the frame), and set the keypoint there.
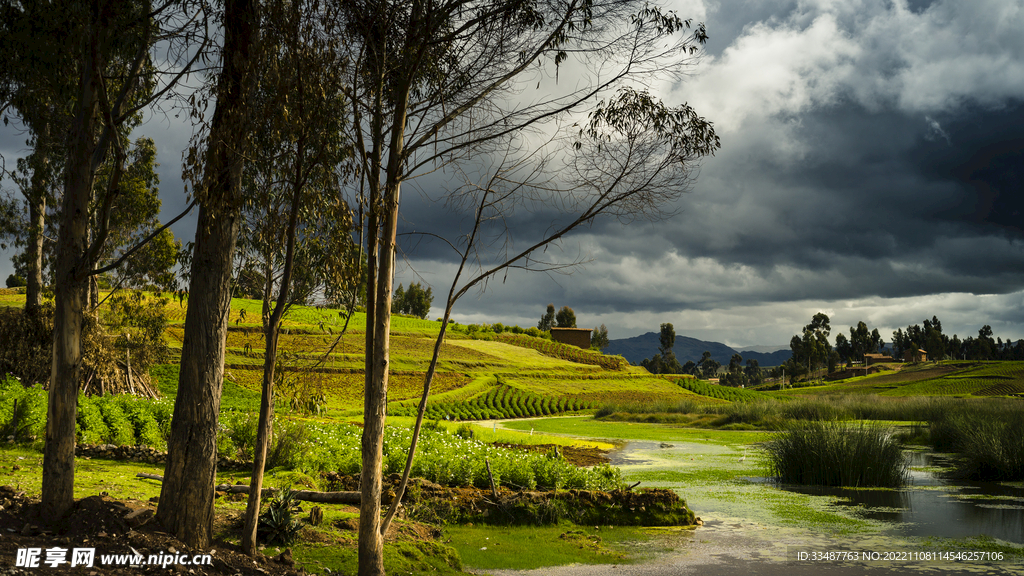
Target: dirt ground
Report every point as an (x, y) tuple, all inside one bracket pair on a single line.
[(100, 522)]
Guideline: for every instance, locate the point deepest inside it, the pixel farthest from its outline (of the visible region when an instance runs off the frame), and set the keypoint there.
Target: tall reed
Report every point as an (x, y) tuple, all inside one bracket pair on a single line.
[(988, 436), (828, 453)]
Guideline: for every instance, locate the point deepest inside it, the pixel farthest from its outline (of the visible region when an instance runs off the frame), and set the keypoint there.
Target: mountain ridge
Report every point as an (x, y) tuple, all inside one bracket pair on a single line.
[(638, 348)]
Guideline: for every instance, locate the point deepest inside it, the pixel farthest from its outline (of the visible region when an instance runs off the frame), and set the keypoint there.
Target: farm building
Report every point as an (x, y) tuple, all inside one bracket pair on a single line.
[(854, 371), (870, 359), (575, 336), (915, 356)]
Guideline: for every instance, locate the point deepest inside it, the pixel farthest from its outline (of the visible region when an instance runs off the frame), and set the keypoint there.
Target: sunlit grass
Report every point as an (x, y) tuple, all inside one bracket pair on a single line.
[(589, 427)]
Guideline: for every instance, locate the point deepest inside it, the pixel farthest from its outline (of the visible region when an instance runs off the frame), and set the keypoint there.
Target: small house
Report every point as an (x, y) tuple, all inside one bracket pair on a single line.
[(575, 336)]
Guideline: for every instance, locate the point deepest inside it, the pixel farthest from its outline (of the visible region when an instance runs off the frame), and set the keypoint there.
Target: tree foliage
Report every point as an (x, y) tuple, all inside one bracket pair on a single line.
[(415, 301), (547, 320), (565, 317), (664, 362), (599, 337)]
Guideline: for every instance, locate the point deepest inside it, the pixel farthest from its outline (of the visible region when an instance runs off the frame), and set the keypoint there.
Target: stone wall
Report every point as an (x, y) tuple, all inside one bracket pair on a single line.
[(144, 454)]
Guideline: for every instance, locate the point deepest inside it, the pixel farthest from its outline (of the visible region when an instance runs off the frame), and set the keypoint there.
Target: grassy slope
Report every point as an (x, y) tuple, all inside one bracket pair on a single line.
[(468, 368), (966, 379)]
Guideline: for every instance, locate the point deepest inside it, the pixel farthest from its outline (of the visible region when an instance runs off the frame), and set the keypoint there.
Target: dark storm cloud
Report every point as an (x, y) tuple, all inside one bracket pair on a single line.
[(872, 167), (867, 154)]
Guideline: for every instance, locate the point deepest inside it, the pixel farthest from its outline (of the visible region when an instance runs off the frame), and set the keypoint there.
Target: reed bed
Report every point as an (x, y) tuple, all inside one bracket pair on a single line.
[(988, 436), (824, 453)]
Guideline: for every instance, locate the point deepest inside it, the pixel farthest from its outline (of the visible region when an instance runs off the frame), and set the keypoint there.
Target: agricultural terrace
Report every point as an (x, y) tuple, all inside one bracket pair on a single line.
[(481, 374)]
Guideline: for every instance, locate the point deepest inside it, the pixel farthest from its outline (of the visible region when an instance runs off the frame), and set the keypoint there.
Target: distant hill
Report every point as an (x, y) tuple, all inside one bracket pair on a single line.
[(767, 358), (644, 346)]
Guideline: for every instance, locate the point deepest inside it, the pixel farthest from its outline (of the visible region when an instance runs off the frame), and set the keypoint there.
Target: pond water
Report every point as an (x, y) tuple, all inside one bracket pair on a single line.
[(930, 506), (933, 506)]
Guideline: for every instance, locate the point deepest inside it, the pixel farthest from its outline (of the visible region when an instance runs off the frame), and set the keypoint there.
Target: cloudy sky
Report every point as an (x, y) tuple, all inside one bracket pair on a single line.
[(871, 167)]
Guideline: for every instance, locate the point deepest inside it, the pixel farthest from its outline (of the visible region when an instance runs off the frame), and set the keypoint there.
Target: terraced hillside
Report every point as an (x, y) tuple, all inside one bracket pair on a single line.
[(965, 379), (480, 375)]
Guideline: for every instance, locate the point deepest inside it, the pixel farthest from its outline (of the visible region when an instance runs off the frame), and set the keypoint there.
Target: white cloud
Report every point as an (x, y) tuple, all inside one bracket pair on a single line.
[(879, 54)]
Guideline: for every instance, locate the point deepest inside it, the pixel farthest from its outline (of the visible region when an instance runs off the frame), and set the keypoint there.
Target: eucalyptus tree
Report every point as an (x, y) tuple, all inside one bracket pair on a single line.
[(297, 237), (214, 167), (37, 87), (94, 61), (432, 81)]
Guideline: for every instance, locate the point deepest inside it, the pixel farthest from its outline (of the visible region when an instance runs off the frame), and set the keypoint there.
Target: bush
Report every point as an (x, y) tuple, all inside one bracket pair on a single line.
[(119, 429), (26, 344), (241, 429), (292, 442), (836, 454), (90, 427), (22, 411)]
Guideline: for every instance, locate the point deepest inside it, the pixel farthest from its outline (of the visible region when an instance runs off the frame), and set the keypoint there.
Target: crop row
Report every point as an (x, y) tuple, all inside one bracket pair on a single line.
[(565, 351), (721, 392), (1002, 389), (441, 456), (502, 401), (942, 387)]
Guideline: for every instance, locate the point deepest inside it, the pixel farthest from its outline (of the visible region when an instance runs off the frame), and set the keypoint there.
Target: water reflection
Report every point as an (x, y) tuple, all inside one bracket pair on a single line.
[(933, 506)]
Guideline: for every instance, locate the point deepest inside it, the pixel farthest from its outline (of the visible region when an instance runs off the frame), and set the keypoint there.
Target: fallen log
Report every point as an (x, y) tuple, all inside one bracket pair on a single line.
[(304, 495)]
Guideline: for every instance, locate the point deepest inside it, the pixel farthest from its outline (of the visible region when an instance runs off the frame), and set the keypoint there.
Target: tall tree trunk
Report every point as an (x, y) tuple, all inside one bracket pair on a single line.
[(263, 437), (37, 222), (71, 295), (378, 325), (371, 541), (187, 494), (272, 326)]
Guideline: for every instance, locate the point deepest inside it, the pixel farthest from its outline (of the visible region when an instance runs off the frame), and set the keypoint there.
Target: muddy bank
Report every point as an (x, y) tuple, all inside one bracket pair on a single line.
[(426, 501)]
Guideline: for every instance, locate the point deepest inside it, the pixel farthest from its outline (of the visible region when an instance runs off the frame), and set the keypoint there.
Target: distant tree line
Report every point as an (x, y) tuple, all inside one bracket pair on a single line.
[(415, 301), (930, 338), (564, 318), (812, 351)]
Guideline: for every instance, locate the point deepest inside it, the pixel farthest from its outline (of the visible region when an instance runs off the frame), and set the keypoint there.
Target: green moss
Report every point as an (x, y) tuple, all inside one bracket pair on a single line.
[(401, 557), (528, 548)]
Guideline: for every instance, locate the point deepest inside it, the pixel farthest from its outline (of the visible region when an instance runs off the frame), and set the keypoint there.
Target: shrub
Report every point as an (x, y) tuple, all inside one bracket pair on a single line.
[(241, 429), (26, 344), (291, 444), (836, 454), (120, 429), (22, 411), (90, 427), (276, 525)]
